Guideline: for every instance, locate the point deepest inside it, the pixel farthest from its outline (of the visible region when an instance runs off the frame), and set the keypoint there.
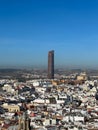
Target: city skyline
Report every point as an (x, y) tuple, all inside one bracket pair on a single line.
[(29, 29)]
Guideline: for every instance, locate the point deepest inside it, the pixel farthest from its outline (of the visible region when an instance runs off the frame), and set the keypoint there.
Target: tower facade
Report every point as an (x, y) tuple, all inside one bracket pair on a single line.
[(51, 64)]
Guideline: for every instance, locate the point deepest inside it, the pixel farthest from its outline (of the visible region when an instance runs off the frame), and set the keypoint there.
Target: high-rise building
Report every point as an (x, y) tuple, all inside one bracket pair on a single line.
[(51, 64)]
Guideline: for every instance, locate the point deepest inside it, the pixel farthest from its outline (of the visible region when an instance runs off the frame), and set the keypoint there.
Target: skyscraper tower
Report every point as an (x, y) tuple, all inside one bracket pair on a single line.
[(51, 64)]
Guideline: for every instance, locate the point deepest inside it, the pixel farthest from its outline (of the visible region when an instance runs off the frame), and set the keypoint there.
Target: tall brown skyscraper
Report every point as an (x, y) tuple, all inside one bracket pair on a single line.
[(51, 64)]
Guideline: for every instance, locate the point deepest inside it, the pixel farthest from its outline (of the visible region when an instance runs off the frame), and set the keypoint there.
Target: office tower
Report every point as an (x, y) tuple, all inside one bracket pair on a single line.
[(51, 64)]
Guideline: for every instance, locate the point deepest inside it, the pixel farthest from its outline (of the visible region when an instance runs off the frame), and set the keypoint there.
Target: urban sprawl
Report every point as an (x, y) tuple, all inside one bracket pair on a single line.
[(53, 101)]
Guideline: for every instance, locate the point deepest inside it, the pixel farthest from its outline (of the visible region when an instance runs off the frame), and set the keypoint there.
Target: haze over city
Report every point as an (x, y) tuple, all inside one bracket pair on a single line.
[(30, 28)]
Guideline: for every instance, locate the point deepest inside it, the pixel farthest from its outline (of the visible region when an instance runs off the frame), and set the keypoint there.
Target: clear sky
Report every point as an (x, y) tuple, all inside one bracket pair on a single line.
[(30, 28)]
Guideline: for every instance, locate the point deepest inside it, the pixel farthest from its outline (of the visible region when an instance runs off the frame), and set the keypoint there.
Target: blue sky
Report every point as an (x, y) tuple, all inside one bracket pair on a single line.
[(30, 28)]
